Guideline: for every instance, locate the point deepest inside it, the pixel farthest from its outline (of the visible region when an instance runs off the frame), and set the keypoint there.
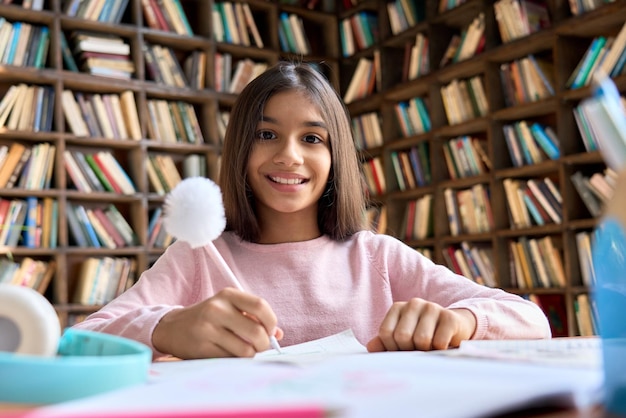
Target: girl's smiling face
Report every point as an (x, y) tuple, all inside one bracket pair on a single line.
[(290, 161)]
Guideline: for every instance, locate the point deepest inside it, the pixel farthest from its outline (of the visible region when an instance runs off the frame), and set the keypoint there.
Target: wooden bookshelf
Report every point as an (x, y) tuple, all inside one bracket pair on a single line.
[(562, 44), (320, 24)]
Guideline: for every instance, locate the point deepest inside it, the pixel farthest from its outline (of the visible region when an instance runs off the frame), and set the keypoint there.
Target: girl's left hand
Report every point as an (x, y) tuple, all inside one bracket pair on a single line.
[(422, 325)]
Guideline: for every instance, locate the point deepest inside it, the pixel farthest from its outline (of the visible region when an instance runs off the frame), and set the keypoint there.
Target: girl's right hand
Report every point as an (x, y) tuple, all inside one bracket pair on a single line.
[(230, 324)]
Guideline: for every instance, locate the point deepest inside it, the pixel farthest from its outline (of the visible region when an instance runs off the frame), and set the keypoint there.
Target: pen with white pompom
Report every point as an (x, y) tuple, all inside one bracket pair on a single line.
[(194, 213)]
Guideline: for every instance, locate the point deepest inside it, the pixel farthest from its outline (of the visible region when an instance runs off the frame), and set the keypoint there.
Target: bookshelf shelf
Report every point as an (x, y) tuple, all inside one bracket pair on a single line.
[(562, 45)]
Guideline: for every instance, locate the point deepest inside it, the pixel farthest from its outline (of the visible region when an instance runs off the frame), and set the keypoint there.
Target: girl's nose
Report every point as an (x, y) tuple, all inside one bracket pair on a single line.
[(288, 153)]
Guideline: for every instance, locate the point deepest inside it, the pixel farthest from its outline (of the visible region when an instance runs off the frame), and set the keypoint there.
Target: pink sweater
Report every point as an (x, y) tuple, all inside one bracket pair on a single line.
[(316, 288)]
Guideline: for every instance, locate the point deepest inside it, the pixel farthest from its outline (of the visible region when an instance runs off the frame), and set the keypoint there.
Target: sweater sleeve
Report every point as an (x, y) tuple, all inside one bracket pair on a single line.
[(499, 314), (169, 284)]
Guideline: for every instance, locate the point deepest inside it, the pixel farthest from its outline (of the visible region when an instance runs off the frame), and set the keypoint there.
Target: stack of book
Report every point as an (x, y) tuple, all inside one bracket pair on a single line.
[(103, 54), (519, 18)]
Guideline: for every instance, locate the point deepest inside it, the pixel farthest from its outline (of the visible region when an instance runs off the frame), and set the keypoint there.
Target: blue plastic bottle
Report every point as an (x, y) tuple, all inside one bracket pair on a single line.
[(609, 293)]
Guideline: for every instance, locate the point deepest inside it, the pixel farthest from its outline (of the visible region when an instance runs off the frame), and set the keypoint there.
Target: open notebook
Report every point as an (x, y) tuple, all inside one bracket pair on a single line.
[(334, 376)]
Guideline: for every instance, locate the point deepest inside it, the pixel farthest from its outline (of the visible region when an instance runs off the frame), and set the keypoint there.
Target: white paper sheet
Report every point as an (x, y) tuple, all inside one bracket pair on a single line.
[(564, 352)]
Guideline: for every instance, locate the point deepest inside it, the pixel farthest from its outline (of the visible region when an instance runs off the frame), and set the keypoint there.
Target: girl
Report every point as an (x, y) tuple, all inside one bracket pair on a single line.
[(297, 241)]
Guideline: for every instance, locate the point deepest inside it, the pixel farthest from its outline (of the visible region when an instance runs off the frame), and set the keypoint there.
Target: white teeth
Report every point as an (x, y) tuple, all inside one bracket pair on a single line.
[(287, 181)]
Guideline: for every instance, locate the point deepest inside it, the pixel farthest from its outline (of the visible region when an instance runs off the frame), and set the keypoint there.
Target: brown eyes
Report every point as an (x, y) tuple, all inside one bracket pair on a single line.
[(269, 135)]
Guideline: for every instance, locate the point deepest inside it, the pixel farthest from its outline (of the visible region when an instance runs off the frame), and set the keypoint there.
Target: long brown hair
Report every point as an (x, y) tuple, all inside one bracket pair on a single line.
[(341, 209)]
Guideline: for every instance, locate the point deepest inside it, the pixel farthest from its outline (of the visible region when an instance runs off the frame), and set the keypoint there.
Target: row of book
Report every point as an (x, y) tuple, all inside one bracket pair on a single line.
[(584, 244), (404, 14), (229, 80), (36, 274), (233, 23), (105, 11), (23, 44), (469, 210), (590, 130), (417, 223), (586, 315), (173, 122), (31, 168), (365, 79), (471, 261), (525, 80), (536, 263), (26, 167), (100, 280), (530, 202), (166, 15), (465, 157), (605, 55), (113, 116), (162, 173), (530, 142), (109, 56), (416, 58), (375, 182), (471, 41), (27, 108), (96, 115), (163, 66), (97, 171), (412, 166), (519, 18), (595, 189), (464, 99), (413, 116), (29, 222), (533, 202), (292, 35), (158, 237), (358, 32), (99, 227), (578, 7), (366, 130)]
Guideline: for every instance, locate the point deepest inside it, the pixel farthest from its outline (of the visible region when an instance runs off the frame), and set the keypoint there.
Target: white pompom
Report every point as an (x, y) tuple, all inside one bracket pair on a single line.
[(194, 211)]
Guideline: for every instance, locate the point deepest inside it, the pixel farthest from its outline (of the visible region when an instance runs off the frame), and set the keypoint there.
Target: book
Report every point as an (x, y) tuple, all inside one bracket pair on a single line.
[(16, 150)]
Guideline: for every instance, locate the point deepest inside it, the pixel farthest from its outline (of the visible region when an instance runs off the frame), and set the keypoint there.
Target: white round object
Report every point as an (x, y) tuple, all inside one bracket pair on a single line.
[(194, 211), (28, 322)]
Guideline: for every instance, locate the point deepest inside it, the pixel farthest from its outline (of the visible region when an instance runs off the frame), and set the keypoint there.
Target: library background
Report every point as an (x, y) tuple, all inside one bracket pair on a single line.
[(468, 109)]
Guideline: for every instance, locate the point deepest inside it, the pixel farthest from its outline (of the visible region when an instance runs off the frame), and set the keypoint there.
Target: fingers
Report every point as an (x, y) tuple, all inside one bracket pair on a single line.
[(254, 307), (248, 317), (375, 345), (230, 324), (419, 325)]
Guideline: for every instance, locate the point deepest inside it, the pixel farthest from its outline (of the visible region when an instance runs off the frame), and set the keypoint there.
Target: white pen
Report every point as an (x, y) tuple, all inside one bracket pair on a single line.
[(194, 213), (217, 257), (273, 341)]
